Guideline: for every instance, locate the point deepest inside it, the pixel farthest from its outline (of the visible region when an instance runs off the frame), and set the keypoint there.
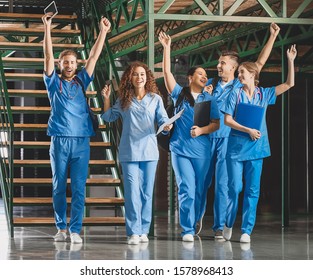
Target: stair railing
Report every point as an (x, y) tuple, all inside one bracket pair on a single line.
[(89, 26), (6, 149)]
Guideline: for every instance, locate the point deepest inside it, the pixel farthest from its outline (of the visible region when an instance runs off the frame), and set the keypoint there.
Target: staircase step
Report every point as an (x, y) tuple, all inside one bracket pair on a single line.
[(46, 162), (38, 93), (39, 126), (39, 110), (24, 31), (29, 62), (34, 17), (48, 181), (87, 221), (36, 46), (48, 200), (46, 144)]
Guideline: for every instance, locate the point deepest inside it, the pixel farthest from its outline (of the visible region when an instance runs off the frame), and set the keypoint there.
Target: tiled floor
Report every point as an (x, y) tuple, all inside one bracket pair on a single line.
[(269, 242)]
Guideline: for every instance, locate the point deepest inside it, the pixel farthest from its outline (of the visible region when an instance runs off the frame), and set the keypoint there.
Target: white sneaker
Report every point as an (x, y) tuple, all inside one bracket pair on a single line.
[(188, 238), (227, 232), (134, 240), (60, 236), (245, 238), (144, 238), (75, 238)]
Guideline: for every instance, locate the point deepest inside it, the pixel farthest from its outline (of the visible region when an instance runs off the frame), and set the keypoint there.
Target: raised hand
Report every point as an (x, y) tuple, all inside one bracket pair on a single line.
[(47, 18), (292, 53), (164, 39), (106, 91), (274, 29), (105, 24)]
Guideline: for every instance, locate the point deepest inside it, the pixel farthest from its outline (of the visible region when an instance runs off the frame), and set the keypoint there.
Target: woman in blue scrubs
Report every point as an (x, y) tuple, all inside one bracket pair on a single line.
[(141, 107), (189, 144), (245, 153)]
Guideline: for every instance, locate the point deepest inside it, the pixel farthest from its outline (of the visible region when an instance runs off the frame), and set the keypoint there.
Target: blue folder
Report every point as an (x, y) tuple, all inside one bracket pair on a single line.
[(250, 116)]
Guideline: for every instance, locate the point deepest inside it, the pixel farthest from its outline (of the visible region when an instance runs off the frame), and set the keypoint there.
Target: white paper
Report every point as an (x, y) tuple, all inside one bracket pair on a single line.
[(170, 121)]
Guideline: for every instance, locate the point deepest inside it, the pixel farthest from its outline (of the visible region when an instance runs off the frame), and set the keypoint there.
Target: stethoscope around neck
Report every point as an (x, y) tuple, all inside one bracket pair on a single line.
[(72, 82), (257, 92)]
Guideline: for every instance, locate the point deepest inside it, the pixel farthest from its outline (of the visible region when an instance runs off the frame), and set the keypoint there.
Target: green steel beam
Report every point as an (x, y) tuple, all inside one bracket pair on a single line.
[(234, 19)]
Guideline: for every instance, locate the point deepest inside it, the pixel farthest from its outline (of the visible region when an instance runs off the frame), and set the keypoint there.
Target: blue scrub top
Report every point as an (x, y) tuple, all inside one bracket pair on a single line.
[(69, 114), (181, 141), (221, 95), (243, 148), (138, 141)]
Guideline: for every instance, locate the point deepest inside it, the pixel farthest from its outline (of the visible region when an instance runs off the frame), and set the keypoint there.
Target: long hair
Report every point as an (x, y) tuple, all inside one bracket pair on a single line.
[(126, 90), (253, 69)]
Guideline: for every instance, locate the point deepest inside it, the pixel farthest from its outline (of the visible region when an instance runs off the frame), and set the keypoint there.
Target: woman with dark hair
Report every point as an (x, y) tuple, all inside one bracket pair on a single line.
[(141, 107), (247, 145), (189, 144)]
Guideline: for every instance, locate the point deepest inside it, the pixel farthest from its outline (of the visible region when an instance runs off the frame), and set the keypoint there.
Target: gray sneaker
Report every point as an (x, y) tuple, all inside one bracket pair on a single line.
[(60, 236)]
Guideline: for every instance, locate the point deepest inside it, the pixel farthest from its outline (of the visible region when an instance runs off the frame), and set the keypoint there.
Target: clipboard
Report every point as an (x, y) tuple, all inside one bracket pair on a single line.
[(51, 8), (249, 115), (202, 113)]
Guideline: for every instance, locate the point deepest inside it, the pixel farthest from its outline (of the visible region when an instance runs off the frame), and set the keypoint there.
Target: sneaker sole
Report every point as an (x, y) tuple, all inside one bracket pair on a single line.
[(219, 237)]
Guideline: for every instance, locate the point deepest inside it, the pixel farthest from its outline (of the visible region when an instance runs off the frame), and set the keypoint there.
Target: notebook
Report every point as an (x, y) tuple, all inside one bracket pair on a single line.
[(250, 116), (202, 112), (51, 8)]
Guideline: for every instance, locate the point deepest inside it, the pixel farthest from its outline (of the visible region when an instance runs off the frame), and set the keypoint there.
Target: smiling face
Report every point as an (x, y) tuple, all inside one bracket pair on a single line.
[(139, 78), (248, 73), (226, 68), (68, 66), (199, 78)]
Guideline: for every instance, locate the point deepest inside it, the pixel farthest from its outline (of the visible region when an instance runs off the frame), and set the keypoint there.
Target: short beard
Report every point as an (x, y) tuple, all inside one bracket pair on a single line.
[(65, 77)]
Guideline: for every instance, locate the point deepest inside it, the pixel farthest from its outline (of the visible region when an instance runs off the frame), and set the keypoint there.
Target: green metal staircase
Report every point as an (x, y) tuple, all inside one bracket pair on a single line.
[(25, 167)]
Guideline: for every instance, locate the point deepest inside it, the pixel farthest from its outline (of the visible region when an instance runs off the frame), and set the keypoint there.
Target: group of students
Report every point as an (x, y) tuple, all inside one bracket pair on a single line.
[(196, 152)]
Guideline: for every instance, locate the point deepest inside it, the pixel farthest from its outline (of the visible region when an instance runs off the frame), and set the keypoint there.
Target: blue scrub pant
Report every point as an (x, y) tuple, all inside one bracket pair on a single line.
[(250, 171), (217, 165), (138, 179), (190, 175), (69, 153)]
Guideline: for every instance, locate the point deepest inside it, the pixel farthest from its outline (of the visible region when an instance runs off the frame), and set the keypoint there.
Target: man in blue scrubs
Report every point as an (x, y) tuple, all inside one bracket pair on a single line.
[(70, 128), (226, 67)]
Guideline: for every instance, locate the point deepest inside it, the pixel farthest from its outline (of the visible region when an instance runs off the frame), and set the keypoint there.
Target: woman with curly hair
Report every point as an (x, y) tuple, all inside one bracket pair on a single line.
[(141, 107)]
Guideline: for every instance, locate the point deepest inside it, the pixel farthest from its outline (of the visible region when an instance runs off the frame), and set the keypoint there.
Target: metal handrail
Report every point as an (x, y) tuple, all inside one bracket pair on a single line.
[(6, 149), (89, 25)]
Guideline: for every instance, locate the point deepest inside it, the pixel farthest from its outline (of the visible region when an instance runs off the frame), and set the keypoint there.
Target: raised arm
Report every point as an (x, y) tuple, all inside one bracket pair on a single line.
[(98, 46), (47, 45), (290, 82), (106, 92), (266, 51), (169, 79)]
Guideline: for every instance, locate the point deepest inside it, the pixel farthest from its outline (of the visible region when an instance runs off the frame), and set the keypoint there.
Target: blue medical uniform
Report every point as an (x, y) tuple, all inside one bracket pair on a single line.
[(190, 160), (70, 128), (217, 153), (138, 155), (245, 159)]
